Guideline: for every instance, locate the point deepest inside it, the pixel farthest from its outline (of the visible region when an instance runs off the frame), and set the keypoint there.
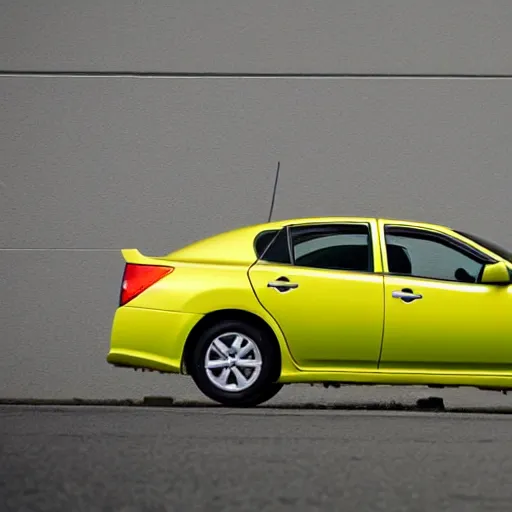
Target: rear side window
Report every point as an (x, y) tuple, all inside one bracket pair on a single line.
[(263, 240), (333, 247), (277, 250)]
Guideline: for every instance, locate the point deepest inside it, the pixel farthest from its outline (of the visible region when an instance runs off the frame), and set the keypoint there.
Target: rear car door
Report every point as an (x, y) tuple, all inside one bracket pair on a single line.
[(318, 281), (439, 317)]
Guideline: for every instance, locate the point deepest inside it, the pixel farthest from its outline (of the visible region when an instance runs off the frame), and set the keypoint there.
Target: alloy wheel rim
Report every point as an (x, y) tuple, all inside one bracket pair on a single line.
[(233, 362)]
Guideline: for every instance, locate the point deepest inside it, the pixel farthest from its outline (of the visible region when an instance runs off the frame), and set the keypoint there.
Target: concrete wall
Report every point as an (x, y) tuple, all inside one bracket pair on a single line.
[(151, 124), (267, 36)]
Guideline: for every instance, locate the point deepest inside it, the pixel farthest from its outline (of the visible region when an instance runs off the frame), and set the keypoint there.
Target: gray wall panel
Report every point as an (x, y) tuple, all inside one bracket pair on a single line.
[(433, 150), (56, 328), (264, 36), (109, 163)]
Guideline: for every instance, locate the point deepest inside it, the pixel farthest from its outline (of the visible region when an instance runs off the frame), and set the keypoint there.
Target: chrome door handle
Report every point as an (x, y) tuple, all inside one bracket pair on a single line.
[(406, 295), (282, 284)]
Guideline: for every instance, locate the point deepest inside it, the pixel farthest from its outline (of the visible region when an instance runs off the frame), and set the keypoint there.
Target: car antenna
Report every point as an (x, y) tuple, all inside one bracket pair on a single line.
[(274, 191)]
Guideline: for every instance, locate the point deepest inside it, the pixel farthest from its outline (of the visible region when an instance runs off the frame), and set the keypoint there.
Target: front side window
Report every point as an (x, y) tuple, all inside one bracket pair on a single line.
[(429, 255), (332, 247)]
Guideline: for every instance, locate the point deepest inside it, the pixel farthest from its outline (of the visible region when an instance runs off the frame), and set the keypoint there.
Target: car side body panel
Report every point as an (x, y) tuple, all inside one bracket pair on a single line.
[(454, 327), (491, 381), (320, 328), (165, 314)]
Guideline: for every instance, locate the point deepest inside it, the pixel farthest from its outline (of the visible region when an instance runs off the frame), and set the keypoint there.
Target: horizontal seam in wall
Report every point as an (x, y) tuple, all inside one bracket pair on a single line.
[(154, 74)]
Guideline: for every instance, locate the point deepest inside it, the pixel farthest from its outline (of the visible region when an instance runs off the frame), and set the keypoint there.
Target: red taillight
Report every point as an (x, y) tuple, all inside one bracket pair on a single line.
[(138, 278)]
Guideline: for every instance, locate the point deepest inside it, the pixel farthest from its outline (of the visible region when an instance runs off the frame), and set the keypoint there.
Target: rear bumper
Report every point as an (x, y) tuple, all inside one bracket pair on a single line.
[(148, 338)]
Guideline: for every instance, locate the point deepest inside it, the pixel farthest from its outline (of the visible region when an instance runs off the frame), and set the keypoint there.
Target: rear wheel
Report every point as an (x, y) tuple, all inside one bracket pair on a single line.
[(233, 363)]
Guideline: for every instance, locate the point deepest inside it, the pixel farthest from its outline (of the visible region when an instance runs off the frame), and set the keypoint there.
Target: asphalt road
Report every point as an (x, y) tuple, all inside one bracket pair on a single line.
[(214, 459)]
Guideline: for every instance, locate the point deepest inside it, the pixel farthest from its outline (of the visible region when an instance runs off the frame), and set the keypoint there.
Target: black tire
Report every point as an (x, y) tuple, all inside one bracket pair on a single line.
[(264, 386)]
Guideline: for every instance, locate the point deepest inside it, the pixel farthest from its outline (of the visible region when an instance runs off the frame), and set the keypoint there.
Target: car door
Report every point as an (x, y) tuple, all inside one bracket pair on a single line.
[(318, 283), (438, 317)]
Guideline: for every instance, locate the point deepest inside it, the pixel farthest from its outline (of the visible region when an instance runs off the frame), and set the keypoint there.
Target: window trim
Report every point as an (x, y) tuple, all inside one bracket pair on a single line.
[(435, 236), (371, 258), (289, 242), (488, 245)]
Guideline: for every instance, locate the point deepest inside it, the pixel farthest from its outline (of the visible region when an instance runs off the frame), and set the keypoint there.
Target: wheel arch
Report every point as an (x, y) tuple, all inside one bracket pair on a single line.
[(214, 317)]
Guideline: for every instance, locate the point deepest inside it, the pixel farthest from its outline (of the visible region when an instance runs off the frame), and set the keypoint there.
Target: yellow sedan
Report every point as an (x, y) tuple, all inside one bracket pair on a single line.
[(320, 300)]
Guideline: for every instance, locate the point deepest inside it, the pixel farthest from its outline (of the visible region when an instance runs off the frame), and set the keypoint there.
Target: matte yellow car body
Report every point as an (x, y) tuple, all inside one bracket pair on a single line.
[(212, 275)]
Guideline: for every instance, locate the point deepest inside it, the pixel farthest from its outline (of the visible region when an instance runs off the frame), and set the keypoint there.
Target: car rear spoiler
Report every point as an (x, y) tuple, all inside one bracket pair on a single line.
[(136, 257)]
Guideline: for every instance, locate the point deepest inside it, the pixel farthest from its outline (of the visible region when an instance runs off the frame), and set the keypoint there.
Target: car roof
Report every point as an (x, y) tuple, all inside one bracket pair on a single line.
[(348, 218)]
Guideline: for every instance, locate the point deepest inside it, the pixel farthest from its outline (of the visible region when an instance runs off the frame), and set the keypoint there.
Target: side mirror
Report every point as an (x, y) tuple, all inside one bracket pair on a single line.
[(495, 273)]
